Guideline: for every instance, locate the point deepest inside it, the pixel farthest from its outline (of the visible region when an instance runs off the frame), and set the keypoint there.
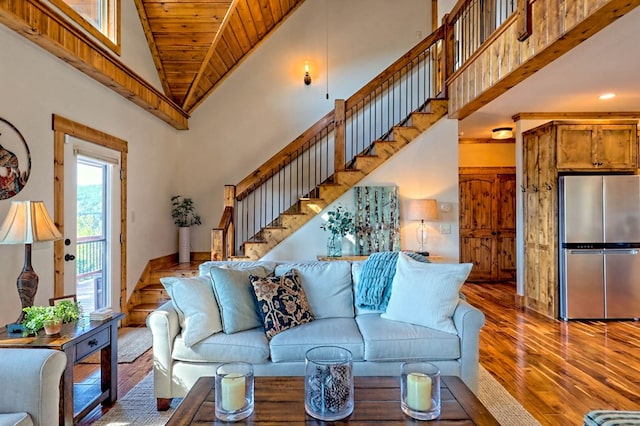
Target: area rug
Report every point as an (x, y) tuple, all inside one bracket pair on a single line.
[(132, 342), (500, 403), (138, 407)]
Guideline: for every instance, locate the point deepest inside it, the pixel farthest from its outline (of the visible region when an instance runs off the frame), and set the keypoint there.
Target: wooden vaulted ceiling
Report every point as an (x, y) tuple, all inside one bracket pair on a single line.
[(196, 43)]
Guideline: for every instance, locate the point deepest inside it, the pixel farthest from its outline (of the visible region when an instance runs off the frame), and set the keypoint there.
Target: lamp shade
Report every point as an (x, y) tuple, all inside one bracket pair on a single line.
[(28, 222), (423, 210)]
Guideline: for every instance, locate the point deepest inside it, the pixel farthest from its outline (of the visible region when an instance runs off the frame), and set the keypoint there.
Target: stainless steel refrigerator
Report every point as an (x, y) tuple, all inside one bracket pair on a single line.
[(600, 247)]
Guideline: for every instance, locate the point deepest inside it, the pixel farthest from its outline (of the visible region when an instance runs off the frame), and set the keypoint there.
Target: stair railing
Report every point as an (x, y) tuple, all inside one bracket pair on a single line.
[(331, 144)]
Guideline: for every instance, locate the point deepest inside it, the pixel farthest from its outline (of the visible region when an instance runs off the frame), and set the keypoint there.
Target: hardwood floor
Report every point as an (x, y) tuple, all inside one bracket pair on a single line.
[(557, 370)]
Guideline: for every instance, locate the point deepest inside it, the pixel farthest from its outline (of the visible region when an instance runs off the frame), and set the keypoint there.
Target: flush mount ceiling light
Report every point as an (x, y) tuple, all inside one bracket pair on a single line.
[(502, 133), (606, 96)]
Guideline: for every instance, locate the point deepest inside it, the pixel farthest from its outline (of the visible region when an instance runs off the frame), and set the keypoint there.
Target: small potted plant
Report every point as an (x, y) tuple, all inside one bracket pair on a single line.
[(184, 215), (49, 317), (339, 223)]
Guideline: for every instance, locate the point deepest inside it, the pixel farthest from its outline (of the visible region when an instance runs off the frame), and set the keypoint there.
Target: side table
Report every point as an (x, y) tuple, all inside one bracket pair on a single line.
[(78, 341)]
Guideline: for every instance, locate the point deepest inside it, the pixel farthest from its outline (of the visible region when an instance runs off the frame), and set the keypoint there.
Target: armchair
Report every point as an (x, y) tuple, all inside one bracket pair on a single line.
[(30, 393)]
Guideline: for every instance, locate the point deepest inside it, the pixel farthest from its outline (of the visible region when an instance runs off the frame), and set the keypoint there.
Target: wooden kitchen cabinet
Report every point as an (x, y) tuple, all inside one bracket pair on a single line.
[(540, 220), (602, 146)]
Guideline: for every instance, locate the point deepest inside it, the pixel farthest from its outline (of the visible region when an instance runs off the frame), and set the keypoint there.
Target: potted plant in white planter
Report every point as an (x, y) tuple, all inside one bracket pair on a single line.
[(184, 215)]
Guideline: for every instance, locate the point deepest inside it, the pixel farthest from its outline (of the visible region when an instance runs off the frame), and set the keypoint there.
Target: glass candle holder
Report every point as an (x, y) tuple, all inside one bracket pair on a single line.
[(420, 390), (234, 391), (328, 383)]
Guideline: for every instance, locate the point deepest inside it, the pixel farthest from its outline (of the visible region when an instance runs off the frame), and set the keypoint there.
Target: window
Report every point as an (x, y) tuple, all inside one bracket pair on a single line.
[(101, 18)]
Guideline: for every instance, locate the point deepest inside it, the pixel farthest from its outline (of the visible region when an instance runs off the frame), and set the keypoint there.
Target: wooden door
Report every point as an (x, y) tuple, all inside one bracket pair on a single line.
[(487, 223)]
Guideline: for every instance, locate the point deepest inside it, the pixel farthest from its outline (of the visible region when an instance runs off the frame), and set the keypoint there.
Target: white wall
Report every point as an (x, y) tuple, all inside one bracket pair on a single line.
[(426, 168), (34, 85), (264, 104)]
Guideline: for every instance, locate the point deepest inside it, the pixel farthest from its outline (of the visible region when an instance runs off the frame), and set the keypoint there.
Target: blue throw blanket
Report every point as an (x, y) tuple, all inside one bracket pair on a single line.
[(374, 288)]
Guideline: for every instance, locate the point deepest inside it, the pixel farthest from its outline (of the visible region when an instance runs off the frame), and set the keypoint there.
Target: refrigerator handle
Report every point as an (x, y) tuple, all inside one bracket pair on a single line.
[(583, 251), (622, 251)]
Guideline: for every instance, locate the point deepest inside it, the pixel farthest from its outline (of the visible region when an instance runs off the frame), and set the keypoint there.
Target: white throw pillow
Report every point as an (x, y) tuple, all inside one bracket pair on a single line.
[(196, 305), (426, 293)]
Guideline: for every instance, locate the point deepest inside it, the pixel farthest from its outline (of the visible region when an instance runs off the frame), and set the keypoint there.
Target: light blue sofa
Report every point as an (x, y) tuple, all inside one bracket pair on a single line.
[(379, 346), (30, 393)]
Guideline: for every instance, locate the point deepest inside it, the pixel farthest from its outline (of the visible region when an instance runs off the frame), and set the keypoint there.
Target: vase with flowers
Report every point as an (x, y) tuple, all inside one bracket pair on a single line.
[(339, 223)]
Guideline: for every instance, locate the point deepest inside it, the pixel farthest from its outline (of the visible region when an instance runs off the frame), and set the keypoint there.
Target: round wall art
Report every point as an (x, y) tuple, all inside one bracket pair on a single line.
[(15, 160)]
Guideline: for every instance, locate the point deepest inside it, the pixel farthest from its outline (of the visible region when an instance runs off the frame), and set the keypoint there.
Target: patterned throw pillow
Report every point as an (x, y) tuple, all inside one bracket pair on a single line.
[(282, 302)]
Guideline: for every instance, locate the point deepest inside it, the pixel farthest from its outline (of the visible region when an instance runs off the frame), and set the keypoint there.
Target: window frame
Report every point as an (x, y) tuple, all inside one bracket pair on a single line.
[(113, 44)]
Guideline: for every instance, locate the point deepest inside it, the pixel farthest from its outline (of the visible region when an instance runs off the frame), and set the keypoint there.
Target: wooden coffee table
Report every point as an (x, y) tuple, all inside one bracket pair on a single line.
[(280, 400)]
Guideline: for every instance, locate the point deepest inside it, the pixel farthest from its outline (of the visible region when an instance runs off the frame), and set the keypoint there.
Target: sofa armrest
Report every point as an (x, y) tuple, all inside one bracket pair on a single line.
[(165, 326), (468, 321), (31, 382)]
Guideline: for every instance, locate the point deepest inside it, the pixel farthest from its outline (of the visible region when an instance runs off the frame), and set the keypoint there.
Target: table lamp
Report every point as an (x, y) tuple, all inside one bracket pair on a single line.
[(423, 210), (26, 223)]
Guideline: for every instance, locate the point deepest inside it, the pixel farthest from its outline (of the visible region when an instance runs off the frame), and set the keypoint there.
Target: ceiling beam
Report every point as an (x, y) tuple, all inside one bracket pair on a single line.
[(153, 48)]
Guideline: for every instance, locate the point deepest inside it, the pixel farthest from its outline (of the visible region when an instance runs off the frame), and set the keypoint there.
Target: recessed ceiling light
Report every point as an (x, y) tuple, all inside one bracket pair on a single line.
[(607, 96)]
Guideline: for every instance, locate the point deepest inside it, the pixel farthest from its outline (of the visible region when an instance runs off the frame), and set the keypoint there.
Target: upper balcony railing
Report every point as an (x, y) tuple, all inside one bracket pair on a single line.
[(472, 22)]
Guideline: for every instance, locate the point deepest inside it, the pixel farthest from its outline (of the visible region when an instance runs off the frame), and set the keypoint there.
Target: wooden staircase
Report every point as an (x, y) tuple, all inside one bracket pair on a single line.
[(149, 293), (342, 180)]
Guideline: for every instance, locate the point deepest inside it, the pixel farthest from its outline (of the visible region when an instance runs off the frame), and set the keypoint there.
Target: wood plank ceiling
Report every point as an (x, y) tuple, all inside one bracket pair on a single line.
[(195, 44)]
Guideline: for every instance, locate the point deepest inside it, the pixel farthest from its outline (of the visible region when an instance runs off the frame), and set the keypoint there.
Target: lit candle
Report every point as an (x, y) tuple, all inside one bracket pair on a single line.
[(419, 391), (232, 387)]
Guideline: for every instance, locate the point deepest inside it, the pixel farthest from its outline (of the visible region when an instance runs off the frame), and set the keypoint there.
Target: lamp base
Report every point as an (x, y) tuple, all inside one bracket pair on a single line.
[(15, 328)]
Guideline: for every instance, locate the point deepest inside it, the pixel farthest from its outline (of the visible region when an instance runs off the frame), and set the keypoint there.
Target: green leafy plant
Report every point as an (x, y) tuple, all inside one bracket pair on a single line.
[(339, 222), (184, 212), (35, 317)]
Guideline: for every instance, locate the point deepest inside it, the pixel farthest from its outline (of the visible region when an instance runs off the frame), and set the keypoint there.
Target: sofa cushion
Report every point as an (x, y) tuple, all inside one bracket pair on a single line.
[(282, 302), (15, 419), (249, 345), (327, 285), (205, 267), (196, 306), (235, 297), (292, 345), (426, 293), (386, 340)]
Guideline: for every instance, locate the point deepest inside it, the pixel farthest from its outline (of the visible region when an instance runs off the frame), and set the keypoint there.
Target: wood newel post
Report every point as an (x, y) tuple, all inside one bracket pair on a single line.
[(339, 140), (448, 53), (230, 201), (222, 237)]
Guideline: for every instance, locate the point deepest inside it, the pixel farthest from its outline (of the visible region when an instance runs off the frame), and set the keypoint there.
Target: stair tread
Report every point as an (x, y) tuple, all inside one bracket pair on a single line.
[(146, 306), (152, 287)]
